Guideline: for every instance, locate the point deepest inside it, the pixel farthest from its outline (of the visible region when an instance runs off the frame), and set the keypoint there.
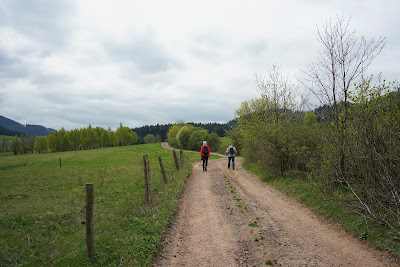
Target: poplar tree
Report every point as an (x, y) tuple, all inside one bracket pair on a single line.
[(15, 145), (40, 145)]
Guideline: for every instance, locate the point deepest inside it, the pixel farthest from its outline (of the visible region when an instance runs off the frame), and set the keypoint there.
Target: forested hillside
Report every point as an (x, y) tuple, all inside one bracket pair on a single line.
[(4, 131), (33, 130)]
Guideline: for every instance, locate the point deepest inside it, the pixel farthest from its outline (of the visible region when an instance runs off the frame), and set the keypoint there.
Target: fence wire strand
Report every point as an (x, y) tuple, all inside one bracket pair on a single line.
[(124, 196)]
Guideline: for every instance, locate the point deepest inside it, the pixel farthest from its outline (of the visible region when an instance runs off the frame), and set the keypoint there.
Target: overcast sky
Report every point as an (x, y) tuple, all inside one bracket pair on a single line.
[(74, 63)]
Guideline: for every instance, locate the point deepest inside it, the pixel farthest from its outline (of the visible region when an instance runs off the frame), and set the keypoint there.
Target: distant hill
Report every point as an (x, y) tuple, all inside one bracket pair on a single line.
[(29, 129)]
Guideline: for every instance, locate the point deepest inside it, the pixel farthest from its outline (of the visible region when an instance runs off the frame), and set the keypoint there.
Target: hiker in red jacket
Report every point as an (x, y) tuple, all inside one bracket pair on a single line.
[(205, 153)]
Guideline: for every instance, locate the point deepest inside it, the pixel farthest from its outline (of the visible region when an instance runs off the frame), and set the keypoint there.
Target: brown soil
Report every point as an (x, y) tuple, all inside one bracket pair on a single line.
[(211, 229)]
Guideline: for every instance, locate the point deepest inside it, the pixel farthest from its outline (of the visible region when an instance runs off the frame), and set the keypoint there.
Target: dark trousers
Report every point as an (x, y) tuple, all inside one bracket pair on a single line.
[(205, 162), (233, 162)]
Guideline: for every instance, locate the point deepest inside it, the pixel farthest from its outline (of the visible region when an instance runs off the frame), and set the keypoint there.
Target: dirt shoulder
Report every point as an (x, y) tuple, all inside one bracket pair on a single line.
[(230, 218)]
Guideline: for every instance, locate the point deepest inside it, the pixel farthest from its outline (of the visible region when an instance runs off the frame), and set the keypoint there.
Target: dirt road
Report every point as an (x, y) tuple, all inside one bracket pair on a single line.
[(230, 218)]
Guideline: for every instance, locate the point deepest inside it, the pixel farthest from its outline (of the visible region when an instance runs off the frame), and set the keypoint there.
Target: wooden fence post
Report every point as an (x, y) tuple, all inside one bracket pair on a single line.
[(181, 157), (146, 164), (162, 170), (89, 220), (60, 162), (148, 177), (176, 161)]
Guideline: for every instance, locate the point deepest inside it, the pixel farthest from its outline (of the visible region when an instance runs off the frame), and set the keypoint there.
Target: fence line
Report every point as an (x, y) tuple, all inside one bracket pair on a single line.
[(147, 178), (90, 235)]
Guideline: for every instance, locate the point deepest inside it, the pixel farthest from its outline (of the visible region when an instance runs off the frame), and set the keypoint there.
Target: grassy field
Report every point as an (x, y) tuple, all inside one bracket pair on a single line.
[(42, 220), (359, 226), (225, 141)]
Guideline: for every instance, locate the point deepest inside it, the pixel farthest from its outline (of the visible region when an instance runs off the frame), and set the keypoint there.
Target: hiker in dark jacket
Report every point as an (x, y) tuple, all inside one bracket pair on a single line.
[(231, 151), (205, 153)]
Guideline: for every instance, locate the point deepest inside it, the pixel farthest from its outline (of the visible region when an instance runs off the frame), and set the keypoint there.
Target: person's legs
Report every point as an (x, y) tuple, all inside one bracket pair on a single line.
[(206, 162), (233, 163), (229, 162)]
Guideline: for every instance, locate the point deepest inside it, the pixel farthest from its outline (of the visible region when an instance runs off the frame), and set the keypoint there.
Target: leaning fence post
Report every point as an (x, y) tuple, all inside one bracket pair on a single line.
[(89, 220), (176, 161), (162, 170)]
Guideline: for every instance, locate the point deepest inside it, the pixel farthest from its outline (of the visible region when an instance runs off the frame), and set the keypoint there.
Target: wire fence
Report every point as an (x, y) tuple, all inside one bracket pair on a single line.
[(117, 203)]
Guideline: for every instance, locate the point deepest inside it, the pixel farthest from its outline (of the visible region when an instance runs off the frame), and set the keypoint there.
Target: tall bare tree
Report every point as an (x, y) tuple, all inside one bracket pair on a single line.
[(344, 58)]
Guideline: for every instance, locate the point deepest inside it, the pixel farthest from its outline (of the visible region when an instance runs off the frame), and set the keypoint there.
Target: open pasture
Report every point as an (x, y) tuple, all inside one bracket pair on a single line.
[(42, 219)]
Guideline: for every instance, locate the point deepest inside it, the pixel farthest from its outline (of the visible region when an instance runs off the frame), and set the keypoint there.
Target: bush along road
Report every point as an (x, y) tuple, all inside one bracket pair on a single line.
[(230, 218)]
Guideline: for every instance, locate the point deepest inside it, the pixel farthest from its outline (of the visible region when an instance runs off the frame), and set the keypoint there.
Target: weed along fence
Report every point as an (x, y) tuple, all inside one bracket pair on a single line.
[(167, 173)]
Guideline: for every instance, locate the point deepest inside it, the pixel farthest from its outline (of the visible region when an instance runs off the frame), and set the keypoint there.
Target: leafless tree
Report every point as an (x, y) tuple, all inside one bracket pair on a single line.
[(277, 90), (344, 58)]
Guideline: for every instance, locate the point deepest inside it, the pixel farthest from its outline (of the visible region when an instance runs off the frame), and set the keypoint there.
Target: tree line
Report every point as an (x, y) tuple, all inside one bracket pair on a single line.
[(77, 139), (350, 146), (5, 131), (188, 137), (98, 137), (159, 132)]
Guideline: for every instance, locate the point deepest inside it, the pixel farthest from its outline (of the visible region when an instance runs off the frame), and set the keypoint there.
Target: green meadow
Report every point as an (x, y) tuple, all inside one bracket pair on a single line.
[(225, 141), (42, 219)]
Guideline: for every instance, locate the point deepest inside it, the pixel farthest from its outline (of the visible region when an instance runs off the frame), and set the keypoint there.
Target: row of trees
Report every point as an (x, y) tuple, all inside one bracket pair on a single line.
[(188, 137), (97, 137), (18, 144), (356, 143), (77, 139), (160, 131)]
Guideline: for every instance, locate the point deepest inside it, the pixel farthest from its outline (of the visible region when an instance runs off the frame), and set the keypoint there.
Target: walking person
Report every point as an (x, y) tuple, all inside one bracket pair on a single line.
[(205, 153), (231, 151)]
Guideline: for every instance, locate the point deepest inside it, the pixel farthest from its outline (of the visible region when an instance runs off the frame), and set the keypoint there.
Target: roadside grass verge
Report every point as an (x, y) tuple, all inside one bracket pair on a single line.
[(42, 219), (359, 226)]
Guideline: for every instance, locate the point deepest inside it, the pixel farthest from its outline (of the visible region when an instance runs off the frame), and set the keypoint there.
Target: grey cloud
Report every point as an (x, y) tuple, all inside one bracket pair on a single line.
[(10, 66), (46, 21), (76, 113), (2, 98), (57, 97), (256, 48), (45, 79), (44, 24), (145, 53), (211, 46), (13, 68)]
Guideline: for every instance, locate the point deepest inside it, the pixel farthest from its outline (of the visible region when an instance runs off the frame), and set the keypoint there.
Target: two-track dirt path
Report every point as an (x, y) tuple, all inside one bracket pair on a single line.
[(211, 229)]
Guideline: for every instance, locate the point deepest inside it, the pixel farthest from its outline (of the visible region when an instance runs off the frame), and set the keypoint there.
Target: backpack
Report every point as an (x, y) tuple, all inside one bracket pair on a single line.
[(231, 151), (205, 150)]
